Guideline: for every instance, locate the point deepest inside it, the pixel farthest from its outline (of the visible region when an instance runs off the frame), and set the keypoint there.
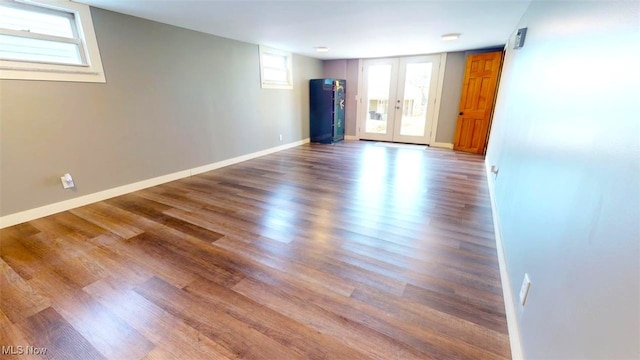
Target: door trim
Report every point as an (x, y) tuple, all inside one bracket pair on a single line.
[(359, 96)]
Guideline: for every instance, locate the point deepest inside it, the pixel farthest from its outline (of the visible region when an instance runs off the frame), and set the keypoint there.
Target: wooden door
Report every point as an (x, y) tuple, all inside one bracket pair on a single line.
[(476, 104)]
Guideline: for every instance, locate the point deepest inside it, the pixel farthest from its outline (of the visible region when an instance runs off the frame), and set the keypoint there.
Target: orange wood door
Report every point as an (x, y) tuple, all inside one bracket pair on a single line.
[(476, 104)]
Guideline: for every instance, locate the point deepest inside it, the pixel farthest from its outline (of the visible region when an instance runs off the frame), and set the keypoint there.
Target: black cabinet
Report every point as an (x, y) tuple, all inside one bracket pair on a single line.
[(326, 98)]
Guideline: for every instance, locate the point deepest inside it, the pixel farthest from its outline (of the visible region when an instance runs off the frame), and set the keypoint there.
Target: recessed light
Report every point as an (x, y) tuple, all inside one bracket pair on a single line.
[(450, 37), (322, 49)]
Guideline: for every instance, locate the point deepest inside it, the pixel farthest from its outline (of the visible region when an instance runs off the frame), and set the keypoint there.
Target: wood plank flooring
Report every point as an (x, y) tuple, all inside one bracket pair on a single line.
[(345, 251)]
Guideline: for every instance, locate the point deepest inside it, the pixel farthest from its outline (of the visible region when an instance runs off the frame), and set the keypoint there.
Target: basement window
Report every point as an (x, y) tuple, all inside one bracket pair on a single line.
[(48, 40), (275, 69)]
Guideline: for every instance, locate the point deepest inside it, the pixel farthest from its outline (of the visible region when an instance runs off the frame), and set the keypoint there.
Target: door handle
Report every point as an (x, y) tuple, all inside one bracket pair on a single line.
[(461, 113)]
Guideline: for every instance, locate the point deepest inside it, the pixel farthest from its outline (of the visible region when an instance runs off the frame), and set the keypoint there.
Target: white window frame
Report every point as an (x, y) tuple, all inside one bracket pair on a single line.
[(267, 84), (92, 71)]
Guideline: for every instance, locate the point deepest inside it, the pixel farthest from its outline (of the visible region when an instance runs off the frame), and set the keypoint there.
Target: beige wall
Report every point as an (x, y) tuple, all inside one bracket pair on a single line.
[(336, 69), (566, 138), (347, 70), (174, 99), (450, 101), (352, 93)]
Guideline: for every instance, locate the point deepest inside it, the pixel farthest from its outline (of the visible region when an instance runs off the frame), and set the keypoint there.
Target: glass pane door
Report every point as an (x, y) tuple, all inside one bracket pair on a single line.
[(379, 92), (399, 99), (415, 101), (416, 94), (378, 99)]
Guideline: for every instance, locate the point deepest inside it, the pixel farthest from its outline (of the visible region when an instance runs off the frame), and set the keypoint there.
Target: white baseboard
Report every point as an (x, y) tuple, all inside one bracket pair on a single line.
[(241, 158), (442, 145), (512, 322), (351, 137), (31, 214)]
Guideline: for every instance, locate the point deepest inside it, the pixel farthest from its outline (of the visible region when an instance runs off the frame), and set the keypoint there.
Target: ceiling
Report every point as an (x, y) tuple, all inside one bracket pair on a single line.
[(349, 28)]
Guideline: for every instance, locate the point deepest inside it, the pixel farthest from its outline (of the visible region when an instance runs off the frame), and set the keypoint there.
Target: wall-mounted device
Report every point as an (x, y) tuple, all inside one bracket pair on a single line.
[(520, 35)]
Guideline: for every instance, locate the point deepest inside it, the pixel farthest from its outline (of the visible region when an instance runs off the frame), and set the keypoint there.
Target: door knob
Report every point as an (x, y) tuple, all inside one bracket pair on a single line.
[(461, 113)]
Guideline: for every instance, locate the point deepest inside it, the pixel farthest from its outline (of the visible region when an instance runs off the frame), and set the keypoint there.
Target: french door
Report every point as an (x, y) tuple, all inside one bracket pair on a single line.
[(399, 99)]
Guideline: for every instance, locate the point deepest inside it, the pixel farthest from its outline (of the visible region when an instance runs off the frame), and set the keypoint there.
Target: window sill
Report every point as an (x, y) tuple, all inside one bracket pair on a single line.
[(64, 73)]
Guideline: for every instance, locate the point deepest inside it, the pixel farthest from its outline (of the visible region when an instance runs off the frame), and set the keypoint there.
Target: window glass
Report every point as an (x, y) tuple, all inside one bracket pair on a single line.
[(35, 20), (48, 40), (275, 68), (25, 49)]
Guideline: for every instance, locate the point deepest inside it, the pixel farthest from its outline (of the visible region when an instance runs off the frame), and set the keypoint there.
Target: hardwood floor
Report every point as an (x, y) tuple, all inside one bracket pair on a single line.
[(345, 251)]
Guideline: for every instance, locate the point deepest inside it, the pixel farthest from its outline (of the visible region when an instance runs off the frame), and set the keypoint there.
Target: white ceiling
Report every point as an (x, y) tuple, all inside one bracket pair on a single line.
[(350, 28)]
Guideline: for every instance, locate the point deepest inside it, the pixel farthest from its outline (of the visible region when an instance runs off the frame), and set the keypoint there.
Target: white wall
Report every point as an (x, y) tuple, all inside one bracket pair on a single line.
[(566, 138)]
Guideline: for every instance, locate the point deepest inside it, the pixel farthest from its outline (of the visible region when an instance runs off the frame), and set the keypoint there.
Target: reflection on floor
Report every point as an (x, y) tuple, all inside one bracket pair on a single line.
[(344, 251), (401, 145)]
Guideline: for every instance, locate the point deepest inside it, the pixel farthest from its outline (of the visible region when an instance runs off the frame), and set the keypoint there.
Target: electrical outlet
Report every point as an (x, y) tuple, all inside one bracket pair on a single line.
[(524, 289), (280, 137), (67, 181)]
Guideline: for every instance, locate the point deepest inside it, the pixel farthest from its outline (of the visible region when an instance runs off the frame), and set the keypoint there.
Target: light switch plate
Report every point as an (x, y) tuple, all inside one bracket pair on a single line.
[(520, 35)]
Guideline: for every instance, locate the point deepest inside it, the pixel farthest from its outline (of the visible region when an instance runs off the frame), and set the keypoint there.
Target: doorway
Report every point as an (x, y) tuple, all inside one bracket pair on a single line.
[(398, 99), (479, 89)]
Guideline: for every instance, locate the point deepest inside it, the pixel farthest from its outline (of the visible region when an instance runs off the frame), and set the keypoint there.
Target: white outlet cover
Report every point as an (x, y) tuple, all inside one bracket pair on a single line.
[(524, 289), (67, 181)]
